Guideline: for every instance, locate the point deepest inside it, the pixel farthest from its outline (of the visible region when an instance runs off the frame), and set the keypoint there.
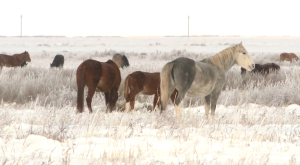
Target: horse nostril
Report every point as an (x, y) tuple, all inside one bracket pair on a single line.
[(253, 66)]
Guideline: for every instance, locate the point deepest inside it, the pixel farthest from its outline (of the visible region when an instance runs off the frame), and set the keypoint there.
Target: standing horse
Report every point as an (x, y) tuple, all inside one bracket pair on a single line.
[(145, 83), (205, 78), (120, 60), (14, 60), (263, 69), (288, 57), (97, 76)]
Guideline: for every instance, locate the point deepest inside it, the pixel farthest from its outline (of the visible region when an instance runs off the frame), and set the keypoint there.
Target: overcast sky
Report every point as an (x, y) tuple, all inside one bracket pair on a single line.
[(150, 18)]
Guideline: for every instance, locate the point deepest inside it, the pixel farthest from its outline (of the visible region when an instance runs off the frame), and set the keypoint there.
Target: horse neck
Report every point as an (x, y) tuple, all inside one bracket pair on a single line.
[(22, 58), (224, 60)]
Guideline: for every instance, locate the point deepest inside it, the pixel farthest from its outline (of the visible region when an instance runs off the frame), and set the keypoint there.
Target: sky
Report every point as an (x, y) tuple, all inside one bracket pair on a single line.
[(150, 18)]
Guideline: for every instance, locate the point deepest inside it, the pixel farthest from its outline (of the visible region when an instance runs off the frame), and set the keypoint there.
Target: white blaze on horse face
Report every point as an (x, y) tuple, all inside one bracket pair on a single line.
[(243, 59)]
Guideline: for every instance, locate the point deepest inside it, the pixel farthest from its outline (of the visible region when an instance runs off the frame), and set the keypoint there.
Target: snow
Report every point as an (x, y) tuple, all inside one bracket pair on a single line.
[(240, 134)]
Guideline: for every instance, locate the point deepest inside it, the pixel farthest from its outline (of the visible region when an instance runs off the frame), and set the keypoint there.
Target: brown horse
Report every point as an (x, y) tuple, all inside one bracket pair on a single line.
[(145, 83), (120, 60), (14, 60), (288, 57), (97, 76), (263, 69)]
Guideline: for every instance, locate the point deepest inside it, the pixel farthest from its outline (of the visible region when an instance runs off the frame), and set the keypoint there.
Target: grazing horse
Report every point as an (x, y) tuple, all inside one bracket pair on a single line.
[(58, 61), (263, 69), (14, 60), (120, 60), (97, 76), (288, 57), (145, 83), (23, 64), (205, 78)]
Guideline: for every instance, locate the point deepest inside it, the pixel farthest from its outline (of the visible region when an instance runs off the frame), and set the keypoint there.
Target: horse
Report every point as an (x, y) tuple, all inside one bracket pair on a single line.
[(58, 61), (14, 60), (120, 60), (288, 57), (98, 77), (145, 83), (263, 69), (23, 64), (204, 78)]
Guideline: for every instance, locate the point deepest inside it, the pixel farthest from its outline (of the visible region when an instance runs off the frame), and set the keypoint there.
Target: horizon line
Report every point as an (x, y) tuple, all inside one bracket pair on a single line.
[(99, 36)]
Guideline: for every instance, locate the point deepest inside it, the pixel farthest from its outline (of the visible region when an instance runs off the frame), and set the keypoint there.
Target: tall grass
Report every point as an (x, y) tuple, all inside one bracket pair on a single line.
[(57, 87)]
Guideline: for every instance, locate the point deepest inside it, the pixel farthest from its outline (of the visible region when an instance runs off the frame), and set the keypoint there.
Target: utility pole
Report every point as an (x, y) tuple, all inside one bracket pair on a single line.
[(21, 26), (188, 26)]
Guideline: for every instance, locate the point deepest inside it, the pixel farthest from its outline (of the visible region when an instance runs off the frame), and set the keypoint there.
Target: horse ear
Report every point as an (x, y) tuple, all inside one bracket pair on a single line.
[(241, 43)]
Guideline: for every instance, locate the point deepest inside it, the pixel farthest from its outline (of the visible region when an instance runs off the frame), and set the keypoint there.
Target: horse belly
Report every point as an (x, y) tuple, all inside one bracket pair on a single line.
[(146, 92), (202, 85), (198, 90), (103, 86)]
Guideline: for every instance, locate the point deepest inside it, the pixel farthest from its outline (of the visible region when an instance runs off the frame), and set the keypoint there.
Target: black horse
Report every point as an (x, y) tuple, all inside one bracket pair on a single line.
[(23, 64), (58, 61), (263, 69)]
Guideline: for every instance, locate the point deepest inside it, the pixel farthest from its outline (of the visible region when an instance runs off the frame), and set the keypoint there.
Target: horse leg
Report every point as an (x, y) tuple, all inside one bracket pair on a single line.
[(214, 98), (132, 101), (177, 107), (174, 95), (106, 96), (129, 98), (111, 98), (155, 101), (91, 92), (207, 104)]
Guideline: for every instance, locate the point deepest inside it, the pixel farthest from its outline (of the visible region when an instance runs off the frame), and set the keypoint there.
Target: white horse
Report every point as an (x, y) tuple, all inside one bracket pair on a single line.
[(205, 78)]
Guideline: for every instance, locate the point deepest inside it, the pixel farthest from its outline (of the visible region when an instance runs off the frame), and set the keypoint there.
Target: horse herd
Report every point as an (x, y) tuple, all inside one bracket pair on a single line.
[(21, 60), (178, 78)]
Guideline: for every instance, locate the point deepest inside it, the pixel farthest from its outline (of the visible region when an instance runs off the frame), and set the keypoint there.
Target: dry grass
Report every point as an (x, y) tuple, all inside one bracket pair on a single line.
[(41, 101)]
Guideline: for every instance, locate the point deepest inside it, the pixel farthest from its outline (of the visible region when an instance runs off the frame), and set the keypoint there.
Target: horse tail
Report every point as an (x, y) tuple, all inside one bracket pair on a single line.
[(81, 82), (125, 61), (126, 89), (165, 77)]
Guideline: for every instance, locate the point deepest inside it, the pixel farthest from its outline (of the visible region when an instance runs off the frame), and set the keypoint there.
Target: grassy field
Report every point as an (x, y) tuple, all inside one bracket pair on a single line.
[(257, 118)]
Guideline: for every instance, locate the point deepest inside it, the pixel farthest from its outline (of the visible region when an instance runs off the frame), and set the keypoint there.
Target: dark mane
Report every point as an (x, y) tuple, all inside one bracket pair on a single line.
[(125, 61)]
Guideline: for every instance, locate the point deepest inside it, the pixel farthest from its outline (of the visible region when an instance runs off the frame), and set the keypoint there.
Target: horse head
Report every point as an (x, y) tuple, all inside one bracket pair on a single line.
[(27, 56), (242, 57)]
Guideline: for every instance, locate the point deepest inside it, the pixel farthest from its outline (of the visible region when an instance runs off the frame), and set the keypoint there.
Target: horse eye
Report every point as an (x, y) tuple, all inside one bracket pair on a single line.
[(244, 52)]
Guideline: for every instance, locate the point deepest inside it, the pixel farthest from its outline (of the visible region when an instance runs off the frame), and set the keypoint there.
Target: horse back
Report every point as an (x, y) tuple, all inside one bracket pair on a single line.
[(110, 76), (208, 78), (145, 82), (8, 61), (288, 56), (58, 61), (151, 83)]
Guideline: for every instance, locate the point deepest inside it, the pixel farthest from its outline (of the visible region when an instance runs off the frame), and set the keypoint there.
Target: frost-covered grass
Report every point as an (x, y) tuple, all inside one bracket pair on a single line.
[(257, 118)]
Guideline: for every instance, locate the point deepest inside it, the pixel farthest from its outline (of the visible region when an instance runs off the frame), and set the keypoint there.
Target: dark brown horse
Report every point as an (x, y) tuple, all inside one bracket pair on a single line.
[(263, 69), (14, 60), (288, 57), (120, 60), (97, 76), (144, 83)]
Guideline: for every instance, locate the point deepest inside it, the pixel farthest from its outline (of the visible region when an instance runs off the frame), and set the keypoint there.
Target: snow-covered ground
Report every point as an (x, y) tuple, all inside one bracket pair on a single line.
[(44, 129)]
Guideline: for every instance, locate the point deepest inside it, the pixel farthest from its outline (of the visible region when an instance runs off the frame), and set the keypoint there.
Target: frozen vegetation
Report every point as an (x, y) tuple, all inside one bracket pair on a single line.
[(257, 118)]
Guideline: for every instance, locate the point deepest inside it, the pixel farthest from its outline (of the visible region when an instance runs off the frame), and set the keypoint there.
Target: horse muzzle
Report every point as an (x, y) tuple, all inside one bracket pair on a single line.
[(252, 66)]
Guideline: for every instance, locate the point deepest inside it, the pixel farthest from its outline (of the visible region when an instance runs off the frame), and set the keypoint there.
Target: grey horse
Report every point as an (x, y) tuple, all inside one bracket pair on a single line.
[(204, 78)]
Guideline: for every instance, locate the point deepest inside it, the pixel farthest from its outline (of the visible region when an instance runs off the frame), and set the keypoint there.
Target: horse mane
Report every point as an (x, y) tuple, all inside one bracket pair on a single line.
[(125, 61), (222, 58)]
